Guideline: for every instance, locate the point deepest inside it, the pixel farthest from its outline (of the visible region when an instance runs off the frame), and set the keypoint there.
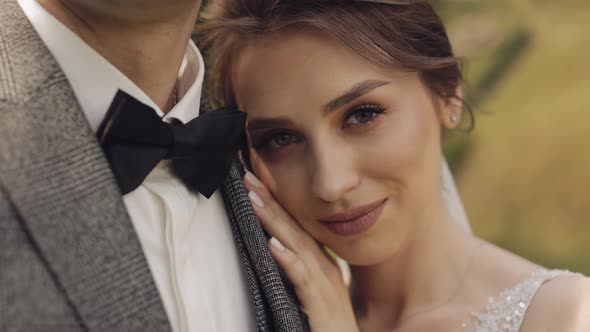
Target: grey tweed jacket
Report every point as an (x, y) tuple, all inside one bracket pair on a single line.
[(70, 259)]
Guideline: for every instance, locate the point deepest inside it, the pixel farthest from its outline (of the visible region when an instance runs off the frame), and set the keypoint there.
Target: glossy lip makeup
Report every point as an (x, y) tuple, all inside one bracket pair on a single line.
[(356, 220)]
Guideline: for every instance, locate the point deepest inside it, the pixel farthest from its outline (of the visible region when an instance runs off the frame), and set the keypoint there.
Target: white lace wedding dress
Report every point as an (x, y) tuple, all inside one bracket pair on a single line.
[(506, 311)]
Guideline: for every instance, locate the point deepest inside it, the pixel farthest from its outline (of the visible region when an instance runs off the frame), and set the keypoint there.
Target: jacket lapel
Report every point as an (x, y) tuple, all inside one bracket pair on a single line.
[(64, 193), (274, 300)]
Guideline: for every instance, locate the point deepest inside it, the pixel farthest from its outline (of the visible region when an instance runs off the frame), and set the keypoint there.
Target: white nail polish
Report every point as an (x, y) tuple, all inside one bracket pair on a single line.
[(252, 179), (256, 199), (277, 244)]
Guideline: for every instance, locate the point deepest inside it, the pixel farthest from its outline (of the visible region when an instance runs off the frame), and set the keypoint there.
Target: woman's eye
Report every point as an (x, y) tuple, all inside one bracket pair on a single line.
[(278, 140), (363, 115)]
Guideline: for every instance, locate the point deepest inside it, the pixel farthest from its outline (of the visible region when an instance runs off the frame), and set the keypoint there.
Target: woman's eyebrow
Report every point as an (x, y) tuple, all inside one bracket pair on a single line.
[(266, 123), (355, 92)]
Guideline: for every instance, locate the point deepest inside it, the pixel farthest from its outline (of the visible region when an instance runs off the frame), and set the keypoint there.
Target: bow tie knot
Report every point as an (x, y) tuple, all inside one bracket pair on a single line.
[(135, 140)]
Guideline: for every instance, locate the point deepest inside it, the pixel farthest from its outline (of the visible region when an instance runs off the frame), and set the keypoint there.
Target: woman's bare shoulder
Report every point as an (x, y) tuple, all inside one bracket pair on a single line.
[(561, 304)]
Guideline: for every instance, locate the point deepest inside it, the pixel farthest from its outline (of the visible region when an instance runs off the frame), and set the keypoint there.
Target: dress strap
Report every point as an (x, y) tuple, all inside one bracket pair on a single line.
[(506, 312)]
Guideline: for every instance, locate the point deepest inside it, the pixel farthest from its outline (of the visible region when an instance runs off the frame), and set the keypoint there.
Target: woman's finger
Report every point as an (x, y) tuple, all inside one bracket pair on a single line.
[(298, 273), (253, 184), (316, 279), (282, 226), (274, 218)]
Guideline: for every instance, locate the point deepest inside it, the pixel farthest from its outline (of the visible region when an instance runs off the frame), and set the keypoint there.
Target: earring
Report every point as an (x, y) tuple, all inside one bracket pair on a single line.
[(454, 118)]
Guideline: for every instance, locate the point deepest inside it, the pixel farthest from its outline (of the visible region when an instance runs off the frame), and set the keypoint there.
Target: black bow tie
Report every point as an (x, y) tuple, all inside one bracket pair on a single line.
[(135, 139)]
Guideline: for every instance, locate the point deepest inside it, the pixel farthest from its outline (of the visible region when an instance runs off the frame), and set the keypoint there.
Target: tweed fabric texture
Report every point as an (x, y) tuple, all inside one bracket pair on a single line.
[(70, 258)]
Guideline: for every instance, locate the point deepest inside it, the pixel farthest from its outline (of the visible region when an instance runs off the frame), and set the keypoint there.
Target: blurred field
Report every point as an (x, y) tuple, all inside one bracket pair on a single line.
[(525, 175)]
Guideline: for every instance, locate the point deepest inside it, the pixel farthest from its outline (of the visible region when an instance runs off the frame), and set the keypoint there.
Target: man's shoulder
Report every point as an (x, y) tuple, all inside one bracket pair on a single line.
[(8, 36), (26, 65)]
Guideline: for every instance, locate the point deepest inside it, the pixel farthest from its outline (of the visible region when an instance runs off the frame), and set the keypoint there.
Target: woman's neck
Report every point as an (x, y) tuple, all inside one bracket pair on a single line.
[(426, 275), (148, 52)]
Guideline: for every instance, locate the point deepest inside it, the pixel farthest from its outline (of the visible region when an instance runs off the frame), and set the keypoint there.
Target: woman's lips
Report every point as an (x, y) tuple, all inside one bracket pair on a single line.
[(355, 220)]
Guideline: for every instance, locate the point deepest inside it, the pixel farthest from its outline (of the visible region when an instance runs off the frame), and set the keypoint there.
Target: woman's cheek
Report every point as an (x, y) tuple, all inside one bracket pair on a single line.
[(392, 156), (283, 180), (291, 191), (385, 148), (262, 170)]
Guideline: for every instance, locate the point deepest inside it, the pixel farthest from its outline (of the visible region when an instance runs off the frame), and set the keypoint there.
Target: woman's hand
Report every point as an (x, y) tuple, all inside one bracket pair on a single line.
[(316, 277)]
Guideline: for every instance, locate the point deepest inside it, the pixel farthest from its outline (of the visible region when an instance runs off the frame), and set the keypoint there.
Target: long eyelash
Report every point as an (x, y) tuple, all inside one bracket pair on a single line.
[(373, 107)]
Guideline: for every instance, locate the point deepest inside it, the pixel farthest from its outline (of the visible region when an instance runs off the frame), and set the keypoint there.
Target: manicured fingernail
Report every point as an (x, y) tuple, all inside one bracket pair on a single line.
[(256, 199), (277, 244), (252, 179)]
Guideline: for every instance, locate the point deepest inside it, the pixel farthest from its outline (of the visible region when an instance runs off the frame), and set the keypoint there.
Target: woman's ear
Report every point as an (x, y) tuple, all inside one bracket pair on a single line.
[(452, 109)]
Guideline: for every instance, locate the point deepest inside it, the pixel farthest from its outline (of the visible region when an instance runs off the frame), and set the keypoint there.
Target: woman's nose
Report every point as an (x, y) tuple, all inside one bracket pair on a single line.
[(334, 173)]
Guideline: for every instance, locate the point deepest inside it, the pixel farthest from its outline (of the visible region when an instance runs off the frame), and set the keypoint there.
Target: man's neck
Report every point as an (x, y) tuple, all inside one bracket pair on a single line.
[(149, 53)]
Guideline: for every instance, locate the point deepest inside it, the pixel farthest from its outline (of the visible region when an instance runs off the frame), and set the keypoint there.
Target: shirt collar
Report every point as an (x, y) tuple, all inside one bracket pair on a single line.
[(95, 81)]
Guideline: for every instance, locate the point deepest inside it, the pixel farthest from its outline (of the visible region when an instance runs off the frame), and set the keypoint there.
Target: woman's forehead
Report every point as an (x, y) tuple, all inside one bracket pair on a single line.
[(300, 64)]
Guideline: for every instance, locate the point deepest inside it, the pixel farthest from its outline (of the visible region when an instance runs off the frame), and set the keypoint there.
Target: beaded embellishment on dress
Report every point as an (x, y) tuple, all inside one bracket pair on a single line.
[(505, 312)]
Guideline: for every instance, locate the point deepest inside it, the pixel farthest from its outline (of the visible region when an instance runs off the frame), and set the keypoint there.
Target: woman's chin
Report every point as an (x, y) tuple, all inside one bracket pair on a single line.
[(364, 254)]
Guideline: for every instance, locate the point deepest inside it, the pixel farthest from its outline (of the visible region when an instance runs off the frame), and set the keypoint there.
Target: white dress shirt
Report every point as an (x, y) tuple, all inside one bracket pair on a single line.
[(186, 238)]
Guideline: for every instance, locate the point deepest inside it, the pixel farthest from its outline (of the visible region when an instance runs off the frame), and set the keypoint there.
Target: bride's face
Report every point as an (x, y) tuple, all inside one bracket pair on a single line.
[(351, 151)]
